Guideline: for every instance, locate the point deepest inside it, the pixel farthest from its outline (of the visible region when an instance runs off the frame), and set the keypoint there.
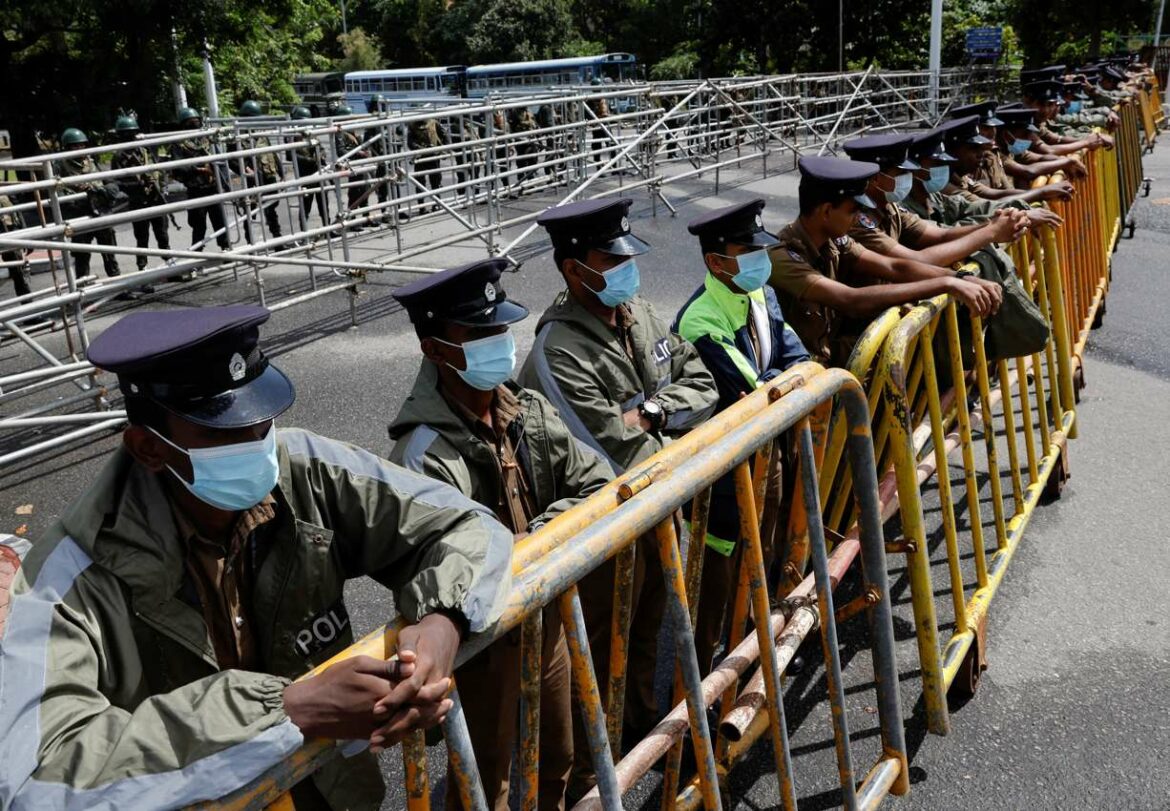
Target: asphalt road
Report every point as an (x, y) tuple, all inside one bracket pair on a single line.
[(1073, 710)]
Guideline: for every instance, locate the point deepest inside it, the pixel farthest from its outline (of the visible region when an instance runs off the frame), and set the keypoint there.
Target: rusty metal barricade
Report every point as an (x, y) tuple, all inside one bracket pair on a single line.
[(548, 564)]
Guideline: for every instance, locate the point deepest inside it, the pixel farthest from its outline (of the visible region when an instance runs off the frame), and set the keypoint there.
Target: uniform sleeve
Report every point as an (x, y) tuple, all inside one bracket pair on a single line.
[(433, 546), (578, 470), (872, 237), (75, 735), (691, 397), (791, 272), (913, 227), (587, 410)]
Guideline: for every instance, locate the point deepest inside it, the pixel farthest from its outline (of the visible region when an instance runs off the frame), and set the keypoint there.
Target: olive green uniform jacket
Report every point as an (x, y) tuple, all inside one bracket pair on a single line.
[(110, 694), (430, 438), (578, 363)]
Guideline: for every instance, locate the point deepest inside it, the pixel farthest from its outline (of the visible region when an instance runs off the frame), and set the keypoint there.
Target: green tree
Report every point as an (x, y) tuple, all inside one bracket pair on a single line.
[(359, 50), (521, 30)]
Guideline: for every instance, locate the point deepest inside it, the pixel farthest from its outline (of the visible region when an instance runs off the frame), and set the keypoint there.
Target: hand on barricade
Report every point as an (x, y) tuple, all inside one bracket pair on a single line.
[(975, 297), (1043, 216), (1058, 191), (1007, 225), (340, 702), (634, 419), (430, 646), (1104, 140), (994, 291), (1076, 168)]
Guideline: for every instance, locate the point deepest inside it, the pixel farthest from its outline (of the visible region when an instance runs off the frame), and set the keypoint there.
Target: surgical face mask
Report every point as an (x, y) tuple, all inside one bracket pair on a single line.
[(1019, 146), (231, 477), (621, 283), (1073, 108), (489, 360), (752, 269), (902, 185), (939, 176)]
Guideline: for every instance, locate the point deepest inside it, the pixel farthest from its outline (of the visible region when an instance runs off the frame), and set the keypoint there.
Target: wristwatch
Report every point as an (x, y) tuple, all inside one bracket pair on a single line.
[(965, 273), (653, 413)]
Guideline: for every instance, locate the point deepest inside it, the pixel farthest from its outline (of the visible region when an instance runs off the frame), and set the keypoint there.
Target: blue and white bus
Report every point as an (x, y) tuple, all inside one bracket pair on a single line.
[(402, 84), (546, 74), (428, 85)]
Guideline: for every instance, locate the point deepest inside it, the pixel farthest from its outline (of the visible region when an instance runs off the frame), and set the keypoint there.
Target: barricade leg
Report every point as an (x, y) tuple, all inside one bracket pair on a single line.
[(588, 698)]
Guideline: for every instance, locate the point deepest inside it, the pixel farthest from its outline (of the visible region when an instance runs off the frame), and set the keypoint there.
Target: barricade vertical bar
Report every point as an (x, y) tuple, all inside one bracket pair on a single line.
[(700, 511), (461, 758), (988, 430), (531, 648), (1009, 422), (898, 424), (873, 563), (619, 644), (688, 661), (588, 698), (753, 562), (414, 767), (942, 472), (1059, 326)]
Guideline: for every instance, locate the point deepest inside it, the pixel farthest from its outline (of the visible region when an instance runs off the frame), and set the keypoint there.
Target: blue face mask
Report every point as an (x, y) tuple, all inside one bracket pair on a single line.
[(1019, 146), (231, 477), (621, 283), (753, 269), (939, 176), (902, 186), (1074, 107), (489, 360)]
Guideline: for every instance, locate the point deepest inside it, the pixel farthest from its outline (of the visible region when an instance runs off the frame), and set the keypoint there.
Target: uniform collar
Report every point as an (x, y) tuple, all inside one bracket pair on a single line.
[(729, 301)]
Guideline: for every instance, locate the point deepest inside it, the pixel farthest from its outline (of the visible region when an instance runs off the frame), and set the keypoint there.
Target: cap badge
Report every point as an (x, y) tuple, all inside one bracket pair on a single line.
[(489, 292), (236, 367), (759, 221), (625, 225)]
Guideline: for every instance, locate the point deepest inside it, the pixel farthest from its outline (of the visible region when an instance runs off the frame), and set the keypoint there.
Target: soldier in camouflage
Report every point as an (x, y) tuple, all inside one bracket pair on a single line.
[(144, 189)]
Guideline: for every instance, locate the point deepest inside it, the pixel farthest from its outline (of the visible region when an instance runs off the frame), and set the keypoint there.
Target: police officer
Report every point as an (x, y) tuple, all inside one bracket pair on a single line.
[(261, 170), (822, 276), (201, 180), (929, 199), (307, 165), (379, 147), (623, 383), (467, 424), (965, 140), (991, 169), (347, 142), (735, 323), (15, 260), (145, 188), (1044, 98), (892, 230), (426, 133), (526, 148), (74, 139), (158, 623)]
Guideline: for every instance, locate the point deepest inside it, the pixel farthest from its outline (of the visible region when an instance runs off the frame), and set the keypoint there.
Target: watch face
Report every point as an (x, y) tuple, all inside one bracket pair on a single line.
[(651, 407)]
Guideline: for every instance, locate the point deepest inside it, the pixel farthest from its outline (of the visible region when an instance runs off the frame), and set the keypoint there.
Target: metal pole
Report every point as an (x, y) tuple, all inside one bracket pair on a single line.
[(840, 36), (177, 88), (936, 10), (209, 83), (1158, 36)]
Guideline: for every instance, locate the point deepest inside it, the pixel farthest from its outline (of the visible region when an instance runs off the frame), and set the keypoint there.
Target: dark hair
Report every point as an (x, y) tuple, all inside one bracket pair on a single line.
[(563, 252), (711, 245), (811, 196), (144, 411)]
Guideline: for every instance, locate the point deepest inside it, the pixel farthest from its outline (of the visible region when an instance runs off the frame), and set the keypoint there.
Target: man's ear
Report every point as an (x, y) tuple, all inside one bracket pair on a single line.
[(146, 448), (431, 349)]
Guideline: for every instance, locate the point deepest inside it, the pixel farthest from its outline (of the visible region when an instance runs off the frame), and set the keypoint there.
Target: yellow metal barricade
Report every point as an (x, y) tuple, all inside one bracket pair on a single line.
[(548, 564), (1030, 400)]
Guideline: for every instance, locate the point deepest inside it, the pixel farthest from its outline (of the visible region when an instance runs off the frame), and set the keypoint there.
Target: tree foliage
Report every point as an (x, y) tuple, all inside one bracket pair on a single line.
[(78, 62)]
